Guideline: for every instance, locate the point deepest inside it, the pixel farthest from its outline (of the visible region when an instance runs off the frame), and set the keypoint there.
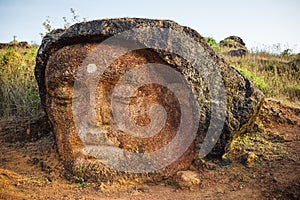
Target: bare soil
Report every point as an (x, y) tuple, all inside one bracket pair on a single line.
[(33, 170)]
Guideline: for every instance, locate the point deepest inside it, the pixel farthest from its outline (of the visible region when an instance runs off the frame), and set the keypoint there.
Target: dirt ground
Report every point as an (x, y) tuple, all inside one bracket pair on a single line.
[(33, 170)]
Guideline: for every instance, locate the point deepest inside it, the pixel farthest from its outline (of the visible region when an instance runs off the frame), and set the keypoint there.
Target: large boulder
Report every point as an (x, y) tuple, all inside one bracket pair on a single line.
[(139, 99), (233, 46)]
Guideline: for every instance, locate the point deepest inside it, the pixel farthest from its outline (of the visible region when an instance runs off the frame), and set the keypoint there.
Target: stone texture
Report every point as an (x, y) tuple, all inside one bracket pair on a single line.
[(60, 57), (233, 46)]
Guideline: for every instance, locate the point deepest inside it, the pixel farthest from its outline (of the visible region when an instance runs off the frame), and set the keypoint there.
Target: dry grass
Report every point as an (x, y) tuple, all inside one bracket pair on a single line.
[(276, 75), (268, 146), (18, 87)]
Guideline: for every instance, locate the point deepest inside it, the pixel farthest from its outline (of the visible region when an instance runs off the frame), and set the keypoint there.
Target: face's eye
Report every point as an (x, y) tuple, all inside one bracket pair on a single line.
[(80, 92)]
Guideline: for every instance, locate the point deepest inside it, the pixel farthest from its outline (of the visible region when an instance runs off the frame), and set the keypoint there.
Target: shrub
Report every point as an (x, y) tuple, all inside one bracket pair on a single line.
[(213, 44)]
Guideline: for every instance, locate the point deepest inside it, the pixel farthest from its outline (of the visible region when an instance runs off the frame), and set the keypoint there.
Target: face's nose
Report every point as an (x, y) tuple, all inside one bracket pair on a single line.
[(94, 125)]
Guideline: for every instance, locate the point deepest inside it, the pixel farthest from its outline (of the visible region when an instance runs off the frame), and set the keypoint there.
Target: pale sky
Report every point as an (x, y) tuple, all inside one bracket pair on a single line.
[(258, 22)]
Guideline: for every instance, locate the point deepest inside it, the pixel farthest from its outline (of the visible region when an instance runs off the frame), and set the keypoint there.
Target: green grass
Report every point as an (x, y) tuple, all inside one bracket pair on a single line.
[(81, 183), (275, 75), (18, 88), (258, 80)]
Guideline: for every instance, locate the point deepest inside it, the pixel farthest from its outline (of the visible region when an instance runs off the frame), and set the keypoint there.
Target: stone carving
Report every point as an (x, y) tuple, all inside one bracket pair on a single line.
[(139, 99)]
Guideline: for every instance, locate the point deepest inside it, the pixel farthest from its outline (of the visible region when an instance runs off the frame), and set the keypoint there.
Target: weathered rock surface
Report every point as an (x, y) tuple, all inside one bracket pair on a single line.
[(63, 55), (233, 46)]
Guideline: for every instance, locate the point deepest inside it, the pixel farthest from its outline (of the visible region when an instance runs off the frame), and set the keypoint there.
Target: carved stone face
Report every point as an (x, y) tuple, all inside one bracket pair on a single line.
[(85, 124), (115, 120)]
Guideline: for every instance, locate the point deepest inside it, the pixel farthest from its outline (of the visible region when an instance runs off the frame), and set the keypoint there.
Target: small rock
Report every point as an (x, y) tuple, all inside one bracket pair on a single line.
[(143, 189), (225, 161), (291, 122), (186, 179), (211, 165), (35, 161), (199, 164), (42, 165)]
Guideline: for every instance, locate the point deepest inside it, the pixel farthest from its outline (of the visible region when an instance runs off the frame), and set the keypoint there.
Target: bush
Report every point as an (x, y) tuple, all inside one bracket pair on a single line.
[(213, 44)]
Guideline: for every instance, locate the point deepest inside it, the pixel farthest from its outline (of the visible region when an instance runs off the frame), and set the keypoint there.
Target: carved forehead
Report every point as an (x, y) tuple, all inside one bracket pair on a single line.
[(64, 64)]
